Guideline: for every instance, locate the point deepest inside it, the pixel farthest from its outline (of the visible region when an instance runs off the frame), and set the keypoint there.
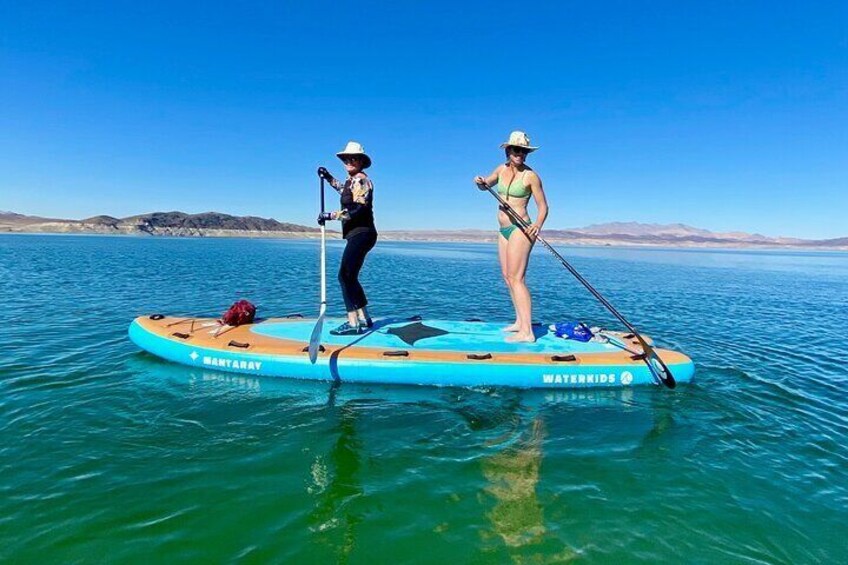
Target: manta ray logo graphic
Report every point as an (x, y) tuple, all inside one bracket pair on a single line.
[(626, 377), (411, 333)]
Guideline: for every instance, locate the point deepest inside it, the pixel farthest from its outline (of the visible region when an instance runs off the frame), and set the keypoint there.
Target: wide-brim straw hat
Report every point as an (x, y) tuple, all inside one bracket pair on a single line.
[(354, 148), (519, 139)]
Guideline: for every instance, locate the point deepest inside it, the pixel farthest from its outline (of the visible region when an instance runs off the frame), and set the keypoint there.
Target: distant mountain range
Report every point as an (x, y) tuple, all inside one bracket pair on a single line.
[(634, 233), (214, 224), (681, 234)]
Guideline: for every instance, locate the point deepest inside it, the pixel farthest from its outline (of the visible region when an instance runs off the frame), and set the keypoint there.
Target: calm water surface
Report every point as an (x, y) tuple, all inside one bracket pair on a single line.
[(110, 455)]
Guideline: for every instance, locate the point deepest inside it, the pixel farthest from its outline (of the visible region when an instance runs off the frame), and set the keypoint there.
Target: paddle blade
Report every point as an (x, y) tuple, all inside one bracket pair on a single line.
[(660, 370), (315, 339), (657, 366)]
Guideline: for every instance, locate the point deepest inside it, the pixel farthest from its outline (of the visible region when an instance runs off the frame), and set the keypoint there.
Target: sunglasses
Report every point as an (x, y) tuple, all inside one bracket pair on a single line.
[(517, 150), (349, 159)]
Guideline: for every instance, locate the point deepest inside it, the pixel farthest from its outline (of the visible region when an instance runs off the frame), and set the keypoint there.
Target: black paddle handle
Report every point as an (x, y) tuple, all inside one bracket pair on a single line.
[(322, 195)]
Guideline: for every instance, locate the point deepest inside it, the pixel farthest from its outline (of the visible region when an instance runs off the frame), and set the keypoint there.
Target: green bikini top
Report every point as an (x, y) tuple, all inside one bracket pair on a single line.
[(520, 191)]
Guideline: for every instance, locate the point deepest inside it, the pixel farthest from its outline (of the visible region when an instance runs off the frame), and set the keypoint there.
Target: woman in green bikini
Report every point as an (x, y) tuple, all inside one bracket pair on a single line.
[(516, 183)]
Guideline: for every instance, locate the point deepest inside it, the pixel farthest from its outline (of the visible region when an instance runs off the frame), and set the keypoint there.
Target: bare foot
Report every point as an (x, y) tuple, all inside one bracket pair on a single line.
[(511, 328), (522, 338)]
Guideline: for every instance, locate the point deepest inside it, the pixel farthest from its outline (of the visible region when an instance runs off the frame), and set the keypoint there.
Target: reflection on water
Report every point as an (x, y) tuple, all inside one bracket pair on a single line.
[(513, 475), (243, 383), (335, 484)]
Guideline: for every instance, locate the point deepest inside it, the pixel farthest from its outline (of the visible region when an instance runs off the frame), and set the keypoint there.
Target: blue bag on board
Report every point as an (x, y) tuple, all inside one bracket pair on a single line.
[(573, 330)]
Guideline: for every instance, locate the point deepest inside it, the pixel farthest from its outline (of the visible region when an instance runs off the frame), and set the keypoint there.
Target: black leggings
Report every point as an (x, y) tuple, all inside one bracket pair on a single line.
[(355, 251)]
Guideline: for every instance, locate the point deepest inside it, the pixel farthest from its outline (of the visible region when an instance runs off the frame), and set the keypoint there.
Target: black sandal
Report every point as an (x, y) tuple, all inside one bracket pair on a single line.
[(347, 329)]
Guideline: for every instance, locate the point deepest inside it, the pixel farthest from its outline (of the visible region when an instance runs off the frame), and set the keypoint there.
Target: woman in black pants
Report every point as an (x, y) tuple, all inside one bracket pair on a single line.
[(357, 217)]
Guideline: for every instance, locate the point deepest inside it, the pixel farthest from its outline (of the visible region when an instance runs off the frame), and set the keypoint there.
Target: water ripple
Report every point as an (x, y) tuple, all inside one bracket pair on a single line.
[(110, 454)]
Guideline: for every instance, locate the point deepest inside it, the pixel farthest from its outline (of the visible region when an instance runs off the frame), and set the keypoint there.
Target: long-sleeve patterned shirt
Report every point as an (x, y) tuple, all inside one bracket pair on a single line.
[(357, 213)]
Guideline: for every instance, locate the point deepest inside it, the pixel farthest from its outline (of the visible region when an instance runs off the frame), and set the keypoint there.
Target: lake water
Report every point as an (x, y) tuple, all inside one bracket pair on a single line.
[(110, 455)]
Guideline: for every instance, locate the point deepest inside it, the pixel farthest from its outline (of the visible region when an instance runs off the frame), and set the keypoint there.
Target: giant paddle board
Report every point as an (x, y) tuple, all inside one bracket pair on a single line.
[(404, 351)]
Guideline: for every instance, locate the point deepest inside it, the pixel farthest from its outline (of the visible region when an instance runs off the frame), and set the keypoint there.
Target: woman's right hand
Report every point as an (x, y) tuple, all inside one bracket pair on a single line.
[(480, 182)]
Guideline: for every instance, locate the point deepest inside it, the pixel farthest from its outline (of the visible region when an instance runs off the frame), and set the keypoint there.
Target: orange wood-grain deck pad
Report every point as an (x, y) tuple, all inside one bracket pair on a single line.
[(200, 332)]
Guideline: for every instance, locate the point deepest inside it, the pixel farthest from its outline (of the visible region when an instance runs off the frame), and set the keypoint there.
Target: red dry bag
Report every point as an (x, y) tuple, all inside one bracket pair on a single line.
[(242, 312)]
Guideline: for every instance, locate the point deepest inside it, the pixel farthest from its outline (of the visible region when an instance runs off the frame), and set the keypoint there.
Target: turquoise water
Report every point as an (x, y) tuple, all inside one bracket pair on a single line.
[(110, 455)]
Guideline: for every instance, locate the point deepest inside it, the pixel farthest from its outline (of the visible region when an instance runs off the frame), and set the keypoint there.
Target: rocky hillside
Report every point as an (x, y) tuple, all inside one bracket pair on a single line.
[(208, 224)]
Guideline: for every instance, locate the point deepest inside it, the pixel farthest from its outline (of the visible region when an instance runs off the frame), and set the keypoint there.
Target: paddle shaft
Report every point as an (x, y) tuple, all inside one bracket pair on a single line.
[(323, 258), (667, 380), (315, 339)]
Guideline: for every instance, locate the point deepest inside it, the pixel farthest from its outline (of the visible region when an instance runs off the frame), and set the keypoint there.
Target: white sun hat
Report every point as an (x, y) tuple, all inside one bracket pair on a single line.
[(355, 148), (519, 139)]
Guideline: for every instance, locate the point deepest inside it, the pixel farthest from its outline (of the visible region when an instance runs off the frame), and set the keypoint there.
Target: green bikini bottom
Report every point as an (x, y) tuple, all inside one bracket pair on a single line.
[(507, 231)]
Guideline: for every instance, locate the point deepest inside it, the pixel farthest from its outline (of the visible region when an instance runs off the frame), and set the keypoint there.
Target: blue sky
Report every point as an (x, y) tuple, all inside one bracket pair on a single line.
[(722, 115)]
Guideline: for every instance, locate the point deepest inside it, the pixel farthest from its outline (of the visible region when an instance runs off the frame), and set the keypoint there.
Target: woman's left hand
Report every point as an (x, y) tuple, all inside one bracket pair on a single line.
[(533, 231)]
